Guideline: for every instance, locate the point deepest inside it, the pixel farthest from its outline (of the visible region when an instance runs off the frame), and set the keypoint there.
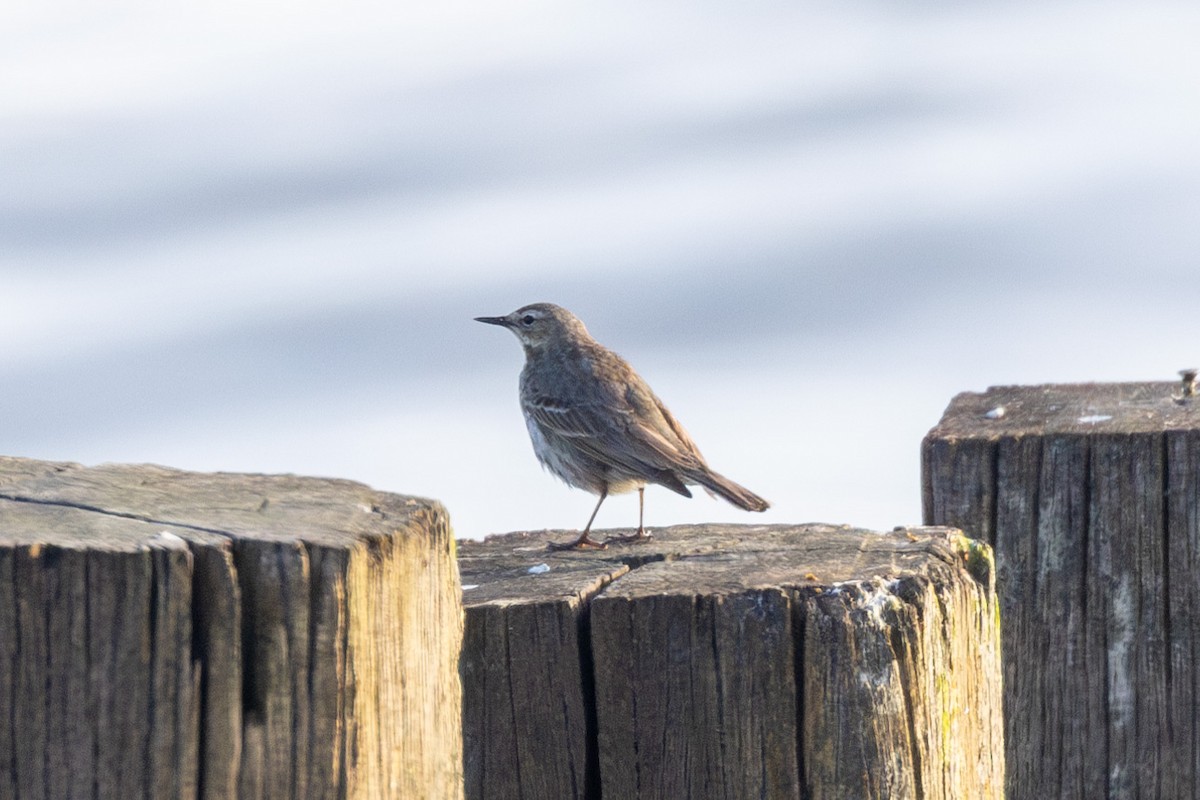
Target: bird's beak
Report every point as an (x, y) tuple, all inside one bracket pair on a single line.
[(501, 321)]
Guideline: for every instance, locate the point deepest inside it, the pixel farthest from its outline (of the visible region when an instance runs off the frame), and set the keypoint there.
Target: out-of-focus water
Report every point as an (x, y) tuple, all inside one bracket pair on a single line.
[(235, 239)]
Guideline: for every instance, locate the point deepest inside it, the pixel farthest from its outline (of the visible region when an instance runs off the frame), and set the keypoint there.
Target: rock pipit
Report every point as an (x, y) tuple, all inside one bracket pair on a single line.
[(595, 423)]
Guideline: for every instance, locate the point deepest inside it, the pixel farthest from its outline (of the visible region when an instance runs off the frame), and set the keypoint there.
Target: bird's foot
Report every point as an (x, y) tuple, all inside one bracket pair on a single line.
[(584, 542), (631, 538)]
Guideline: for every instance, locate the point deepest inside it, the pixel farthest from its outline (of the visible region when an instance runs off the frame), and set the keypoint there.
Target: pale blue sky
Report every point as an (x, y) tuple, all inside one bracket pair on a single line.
[(231, 239)]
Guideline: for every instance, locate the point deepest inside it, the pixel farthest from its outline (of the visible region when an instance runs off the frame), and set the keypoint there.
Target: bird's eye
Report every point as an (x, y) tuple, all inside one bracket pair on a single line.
[(527, 319)]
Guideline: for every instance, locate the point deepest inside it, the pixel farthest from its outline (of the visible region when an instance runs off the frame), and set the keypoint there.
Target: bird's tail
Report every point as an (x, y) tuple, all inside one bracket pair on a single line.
[(735, 493)]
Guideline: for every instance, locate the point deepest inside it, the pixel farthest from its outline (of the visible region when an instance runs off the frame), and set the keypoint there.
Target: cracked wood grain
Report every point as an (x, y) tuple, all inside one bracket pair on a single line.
[(188, 635), (730, 661), (1095, 489)]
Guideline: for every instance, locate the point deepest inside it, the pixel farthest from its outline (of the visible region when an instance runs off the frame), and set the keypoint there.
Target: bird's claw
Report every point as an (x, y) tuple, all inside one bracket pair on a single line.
[(584, 542), (631, 538)]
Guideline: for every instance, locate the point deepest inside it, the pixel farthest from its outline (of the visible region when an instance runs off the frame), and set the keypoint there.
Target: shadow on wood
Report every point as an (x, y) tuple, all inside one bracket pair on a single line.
[(1090, 495), (732, 661), (174, 634)]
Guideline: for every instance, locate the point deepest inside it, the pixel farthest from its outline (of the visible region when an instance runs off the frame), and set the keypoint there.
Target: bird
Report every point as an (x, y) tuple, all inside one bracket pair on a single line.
[(596, 425)]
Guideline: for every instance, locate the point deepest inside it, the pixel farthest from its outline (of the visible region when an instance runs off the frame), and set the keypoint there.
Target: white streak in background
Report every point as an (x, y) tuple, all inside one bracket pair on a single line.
[(232, 238)]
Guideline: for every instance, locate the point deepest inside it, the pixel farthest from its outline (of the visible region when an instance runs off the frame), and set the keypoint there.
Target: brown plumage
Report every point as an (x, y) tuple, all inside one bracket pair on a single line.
[(596, 424)]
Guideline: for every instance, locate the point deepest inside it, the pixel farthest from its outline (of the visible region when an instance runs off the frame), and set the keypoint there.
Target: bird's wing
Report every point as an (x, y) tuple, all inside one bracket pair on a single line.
[(629, 437), (569, 419), (685, 443)]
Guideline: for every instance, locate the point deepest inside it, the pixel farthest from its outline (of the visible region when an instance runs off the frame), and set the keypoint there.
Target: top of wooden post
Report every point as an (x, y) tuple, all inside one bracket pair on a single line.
[(129, 506), (1069, 408), (516, 568)]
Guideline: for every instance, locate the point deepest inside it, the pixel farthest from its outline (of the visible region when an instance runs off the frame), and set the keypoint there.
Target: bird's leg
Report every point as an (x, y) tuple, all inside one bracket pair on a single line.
[(641, 534), (584, 540)]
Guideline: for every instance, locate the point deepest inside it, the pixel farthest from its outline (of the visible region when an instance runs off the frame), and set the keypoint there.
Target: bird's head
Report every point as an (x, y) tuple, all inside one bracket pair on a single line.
[(540, 324)]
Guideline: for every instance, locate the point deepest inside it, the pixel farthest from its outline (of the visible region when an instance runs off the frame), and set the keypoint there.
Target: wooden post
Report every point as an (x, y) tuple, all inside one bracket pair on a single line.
[(732, 661), (1090, 495), (184, 635)]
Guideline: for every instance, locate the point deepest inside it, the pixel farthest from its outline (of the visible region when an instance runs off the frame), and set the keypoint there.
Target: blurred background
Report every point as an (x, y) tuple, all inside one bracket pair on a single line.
[(240, 238)]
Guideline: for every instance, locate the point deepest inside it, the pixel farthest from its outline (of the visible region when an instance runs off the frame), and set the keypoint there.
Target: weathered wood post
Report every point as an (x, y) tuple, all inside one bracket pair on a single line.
[(1090, 495), (732, 661), (166, 634)]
